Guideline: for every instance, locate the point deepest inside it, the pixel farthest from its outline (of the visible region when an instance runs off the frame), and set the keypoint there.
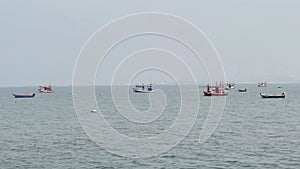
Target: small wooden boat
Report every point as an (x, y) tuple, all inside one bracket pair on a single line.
[(45, 89), (143, 89), (218, 91), (243, 90), (23, 95), (265, 96)]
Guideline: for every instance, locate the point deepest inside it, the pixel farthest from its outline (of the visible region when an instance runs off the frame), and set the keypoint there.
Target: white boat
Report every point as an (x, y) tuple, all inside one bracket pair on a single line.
[(230, 86), (143, 89), (264, 84)]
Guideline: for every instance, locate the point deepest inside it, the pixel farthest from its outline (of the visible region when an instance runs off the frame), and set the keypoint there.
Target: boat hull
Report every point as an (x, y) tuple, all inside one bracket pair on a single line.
[(264, 96), (137, 90), (206, 93), (46, 91), (23, 95), (242, 90)]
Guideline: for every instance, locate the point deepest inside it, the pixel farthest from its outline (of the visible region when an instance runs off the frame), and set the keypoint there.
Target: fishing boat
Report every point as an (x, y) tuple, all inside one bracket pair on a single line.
[(93, 111), (230, 86), (143, 89), (263, 84), (45, 89), (27, 95), (265, 96), (218, 91), (243, 90)]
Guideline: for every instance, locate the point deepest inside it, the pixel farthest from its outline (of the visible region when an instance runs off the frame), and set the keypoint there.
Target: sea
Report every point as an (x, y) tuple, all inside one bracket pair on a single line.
[(45, 132)]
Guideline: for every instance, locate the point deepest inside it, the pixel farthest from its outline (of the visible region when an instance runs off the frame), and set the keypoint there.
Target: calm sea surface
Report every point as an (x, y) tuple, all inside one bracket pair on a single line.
[(44, 132)]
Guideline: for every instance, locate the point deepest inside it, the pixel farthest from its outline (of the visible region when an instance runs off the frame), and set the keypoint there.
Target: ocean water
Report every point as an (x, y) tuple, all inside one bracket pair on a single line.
[(44, 132)]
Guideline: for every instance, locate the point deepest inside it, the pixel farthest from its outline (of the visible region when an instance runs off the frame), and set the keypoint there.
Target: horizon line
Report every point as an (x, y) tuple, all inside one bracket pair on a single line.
[(70, 85)]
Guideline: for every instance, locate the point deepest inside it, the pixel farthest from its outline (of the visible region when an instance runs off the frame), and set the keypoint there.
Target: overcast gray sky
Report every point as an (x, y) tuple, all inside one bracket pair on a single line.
[(257, 40)]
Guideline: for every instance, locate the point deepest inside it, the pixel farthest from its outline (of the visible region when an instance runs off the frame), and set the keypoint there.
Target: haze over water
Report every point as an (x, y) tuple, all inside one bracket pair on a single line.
[(166, 43)]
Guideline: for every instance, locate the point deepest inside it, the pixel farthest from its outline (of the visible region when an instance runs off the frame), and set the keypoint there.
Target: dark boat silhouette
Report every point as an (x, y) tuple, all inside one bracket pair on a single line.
[(30, 95), (242, 90), (265, 96)]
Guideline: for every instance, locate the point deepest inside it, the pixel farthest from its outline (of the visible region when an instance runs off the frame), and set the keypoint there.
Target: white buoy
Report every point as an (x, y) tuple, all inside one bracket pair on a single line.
[(93, 111)]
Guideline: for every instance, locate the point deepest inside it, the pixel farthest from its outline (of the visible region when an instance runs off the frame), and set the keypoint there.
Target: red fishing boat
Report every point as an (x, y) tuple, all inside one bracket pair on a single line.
[(45, 89), (219, 91)]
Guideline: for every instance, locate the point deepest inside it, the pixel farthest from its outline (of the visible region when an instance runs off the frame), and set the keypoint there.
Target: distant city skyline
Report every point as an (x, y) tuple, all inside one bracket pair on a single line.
[(257, 41)]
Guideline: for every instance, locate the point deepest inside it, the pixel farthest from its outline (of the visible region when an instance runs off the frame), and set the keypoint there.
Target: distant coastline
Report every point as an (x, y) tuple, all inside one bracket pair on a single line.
[(166, 84)]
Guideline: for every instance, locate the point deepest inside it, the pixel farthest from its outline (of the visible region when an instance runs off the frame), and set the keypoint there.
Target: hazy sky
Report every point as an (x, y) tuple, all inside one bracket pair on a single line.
[(257, 40)]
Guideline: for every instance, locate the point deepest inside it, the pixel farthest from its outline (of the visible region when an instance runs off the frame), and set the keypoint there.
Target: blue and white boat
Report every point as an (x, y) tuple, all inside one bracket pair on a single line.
[(27, 95), (143, 89)]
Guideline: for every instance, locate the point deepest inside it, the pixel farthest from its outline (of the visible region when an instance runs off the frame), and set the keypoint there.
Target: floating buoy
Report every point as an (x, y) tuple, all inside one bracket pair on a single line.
[(93, 111)]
